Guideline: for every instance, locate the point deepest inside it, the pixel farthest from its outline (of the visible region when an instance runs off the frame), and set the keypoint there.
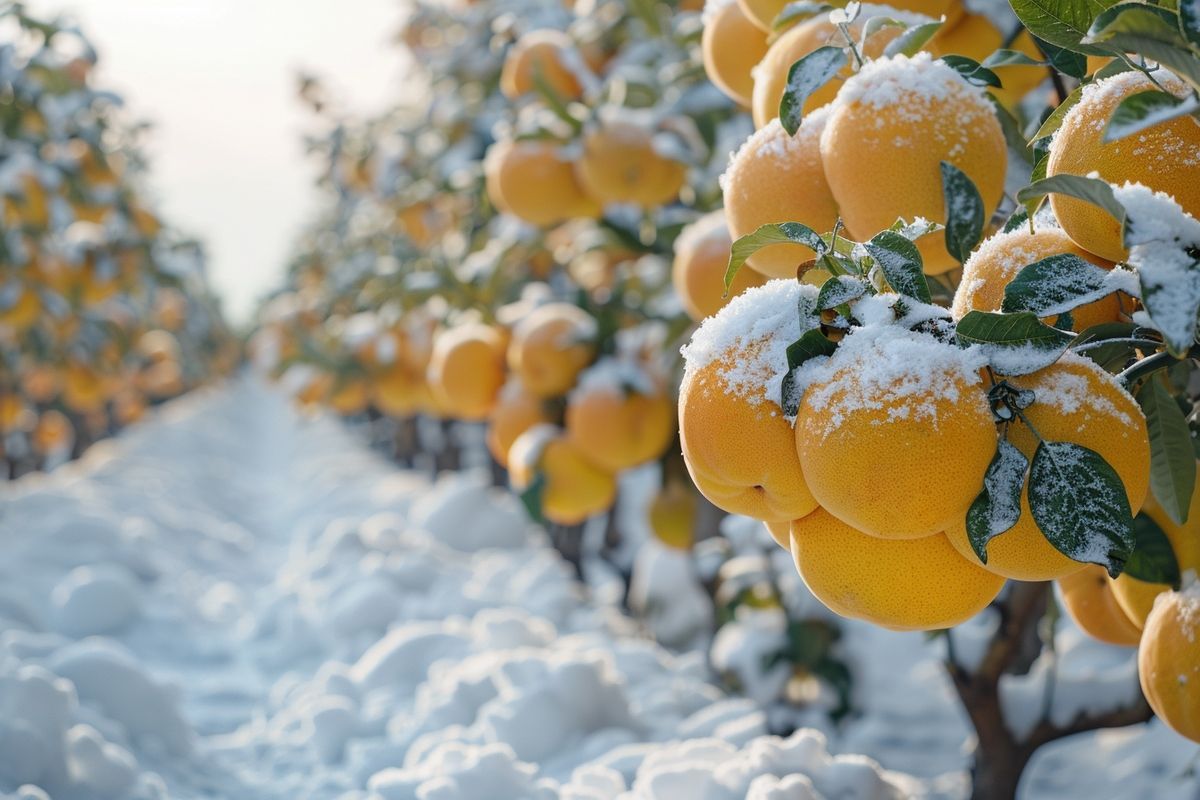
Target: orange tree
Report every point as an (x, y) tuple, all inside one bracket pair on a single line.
[(516, 255), (103, 309), (957, 392)]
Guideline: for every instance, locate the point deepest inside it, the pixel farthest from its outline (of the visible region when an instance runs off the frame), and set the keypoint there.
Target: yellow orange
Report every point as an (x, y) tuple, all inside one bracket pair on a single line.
[(1169, 660), (620, 165), (551, 346), (619, 425), (1090, 603), (549, 54), (887, 134), (916, 584), (731, 46), (531, 179), (516, 411), (466, 370), (698, 272), (574, 488), (1164, 157)]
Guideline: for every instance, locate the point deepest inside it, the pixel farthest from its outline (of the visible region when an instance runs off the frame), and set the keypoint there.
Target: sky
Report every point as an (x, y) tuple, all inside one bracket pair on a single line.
[(218, 80)]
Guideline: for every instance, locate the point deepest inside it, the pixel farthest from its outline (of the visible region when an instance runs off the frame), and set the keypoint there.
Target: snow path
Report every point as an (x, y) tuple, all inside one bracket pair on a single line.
[(232, 602)]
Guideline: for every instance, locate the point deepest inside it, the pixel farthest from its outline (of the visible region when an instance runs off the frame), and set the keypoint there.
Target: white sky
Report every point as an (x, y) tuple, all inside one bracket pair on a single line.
[(217, 77)]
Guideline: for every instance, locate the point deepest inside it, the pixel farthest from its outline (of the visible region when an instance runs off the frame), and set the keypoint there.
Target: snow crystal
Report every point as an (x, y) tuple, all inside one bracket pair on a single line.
[(888, 368), (902, 83), (750, 337), (774, 143), (1069, 392), (1164, 250), (1106, 94)]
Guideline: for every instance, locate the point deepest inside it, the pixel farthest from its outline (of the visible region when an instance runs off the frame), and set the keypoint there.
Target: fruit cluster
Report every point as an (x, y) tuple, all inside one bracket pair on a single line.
[(103, 309)]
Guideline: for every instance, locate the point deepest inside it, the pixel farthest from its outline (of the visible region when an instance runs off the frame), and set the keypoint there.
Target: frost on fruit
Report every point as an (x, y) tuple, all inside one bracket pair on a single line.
[(750, 337)]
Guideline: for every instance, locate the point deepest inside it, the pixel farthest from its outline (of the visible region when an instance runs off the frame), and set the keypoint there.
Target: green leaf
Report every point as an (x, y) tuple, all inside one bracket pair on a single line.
[(998, 507), (1019, 218), (531, 497), (1015, 344), (1189, 22), (965, 214), (1153, 559), (1172, 462), (1055, 285), (1080, 505), (1144, 110), (767, 235), (840, 289), (1091, 190), (1061, 22), (1162, 44), (804, 77), (912, 40), (1008, 58), (794, 12), (1173, 302), (1112, 355), (811, 345), (900, 262), (915, 230), (972, 71), (1065, 61), (1054, 121)]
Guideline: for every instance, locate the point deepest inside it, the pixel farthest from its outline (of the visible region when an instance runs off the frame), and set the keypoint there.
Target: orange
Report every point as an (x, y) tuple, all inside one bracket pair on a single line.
[(551, 346), (574, 487), (895, 432), (890, 129), (772, 178), (548, 53), (1000, 257), (770, 76), (731, 46), (1089, 601), (1136, 597), (1164, 157), (620, 165), (530, 179), (738, 446), (466, 370), (698, 272), (1076, 401), (917, 584), (1169, 660), (619, 421), (516, 411)]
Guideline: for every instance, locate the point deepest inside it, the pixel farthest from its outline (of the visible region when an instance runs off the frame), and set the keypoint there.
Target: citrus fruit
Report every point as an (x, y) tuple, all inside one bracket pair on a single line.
[(550, 347), (915, 584), (1164, 157), (775, 177), (891, 127), (1089, 601), (698, 272), (1169, 660), (894, 432)]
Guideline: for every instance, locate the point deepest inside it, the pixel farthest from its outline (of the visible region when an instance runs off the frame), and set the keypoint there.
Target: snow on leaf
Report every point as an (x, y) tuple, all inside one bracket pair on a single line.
[(1080, 505), (1015, 344), (1058, 284), (998, 506)]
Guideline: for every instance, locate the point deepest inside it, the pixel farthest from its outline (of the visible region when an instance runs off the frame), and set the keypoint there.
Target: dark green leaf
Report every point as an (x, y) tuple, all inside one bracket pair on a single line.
[(912, 40), (1016, 344), (1189, 22), (965, 214), (972, 71), (1113, 355), (531, 497), (1006, 58), (794, 12), (1080, 505), (812, 344), (1091, 190), (900, 262), (1172, 462), (840, 289), (1153, 559), (998, 506), (1061, 22), (806, 76), (1054, 121), (1055, 285), (1019, 218), (767, 235), (1067, 62), (1144, 110)]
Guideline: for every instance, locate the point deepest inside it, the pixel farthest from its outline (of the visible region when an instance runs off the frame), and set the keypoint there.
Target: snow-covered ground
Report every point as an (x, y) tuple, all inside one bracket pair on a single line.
[(233, 602)]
